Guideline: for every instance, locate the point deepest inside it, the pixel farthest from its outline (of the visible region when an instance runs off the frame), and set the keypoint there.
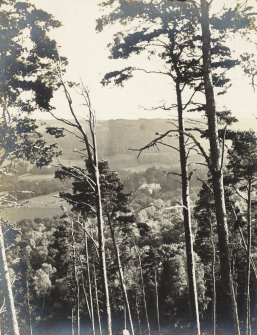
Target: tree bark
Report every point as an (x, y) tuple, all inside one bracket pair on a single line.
[(230, 316), (248, 264), (121, 276), (12, 323), (193, 299)]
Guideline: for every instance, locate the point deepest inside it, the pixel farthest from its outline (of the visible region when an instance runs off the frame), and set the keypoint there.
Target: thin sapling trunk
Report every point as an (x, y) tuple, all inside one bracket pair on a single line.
[(248, 264), (157, 302), (90, 287), (121, 276), (97, 302), (12, 322), (144, 295)]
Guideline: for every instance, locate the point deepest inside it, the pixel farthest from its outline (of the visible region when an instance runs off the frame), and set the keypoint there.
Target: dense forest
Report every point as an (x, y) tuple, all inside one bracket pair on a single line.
[(156, 225)]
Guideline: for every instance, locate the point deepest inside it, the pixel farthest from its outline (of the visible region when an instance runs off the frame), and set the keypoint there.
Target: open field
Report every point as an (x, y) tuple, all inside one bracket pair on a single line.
[(45, 206), (36, 177), (16, 214)]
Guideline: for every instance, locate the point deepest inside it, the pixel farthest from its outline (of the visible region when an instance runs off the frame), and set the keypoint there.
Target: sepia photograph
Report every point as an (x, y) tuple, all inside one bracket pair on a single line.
[(128, 167)]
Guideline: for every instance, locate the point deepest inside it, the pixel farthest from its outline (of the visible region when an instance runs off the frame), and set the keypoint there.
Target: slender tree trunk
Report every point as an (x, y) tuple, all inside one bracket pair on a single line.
[(213, 282), (121, 276), (230, 316), (233, 275), (76, 278), (248, 265), (125, 318), (193, 299), (143, 291), (157, 302), (101, 238), (245, 247), (102, 255), (138, 316), (84, 288), (90, 289), (72, 322), (12, 323), (92, 160), (78, 308), (97, 302), (85, 296)]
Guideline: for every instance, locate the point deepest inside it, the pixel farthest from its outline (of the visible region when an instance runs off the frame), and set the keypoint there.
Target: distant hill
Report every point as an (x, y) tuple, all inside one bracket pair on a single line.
[(116, 138)]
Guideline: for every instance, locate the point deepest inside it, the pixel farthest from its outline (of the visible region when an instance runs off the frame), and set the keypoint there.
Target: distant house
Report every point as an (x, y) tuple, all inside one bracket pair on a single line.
[(150, 187)]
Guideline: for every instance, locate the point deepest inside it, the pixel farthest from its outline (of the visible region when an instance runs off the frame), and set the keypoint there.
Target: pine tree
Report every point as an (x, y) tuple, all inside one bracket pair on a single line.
[(22, 69)]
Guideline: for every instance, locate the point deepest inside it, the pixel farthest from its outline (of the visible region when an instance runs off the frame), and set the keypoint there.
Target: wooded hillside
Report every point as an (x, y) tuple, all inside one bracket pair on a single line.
[(132, 227)]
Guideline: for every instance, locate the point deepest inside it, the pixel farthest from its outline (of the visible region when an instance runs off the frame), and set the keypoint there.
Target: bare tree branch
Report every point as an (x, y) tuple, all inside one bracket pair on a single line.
[(239, 193)]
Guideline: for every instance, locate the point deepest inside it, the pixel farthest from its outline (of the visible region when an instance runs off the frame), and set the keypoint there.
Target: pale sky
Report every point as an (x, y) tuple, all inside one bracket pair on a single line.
[(87, 54)]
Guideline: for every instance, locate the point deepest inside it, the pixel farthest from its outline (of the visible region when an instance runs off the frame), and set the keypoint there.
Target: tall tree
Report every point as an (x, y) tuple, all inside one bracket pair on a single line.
[(243, 167), (240, 21), (23, 69), (175, 26), (89, 202)]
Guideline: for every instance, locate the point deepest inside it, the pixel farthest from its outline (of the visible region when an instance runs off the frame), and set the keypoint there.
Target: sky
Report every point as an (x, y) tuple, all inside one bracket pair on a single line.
[(88, 57)]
